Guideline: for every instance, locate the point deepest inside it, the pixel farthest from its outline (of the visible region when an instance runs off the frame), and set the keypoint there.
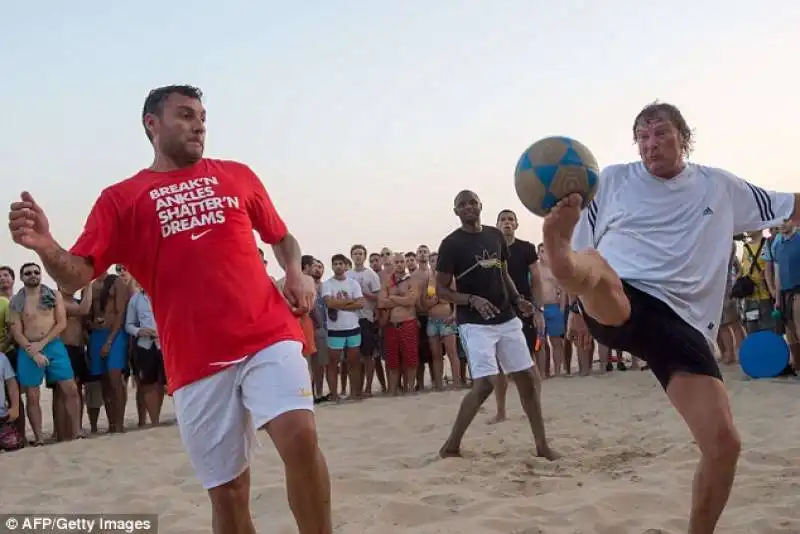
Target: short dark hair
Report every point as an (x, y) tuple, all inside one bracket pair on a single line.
[(358, 247), (672, 114), (154, 103), (29, 264), (374, 255), (411, 255), (339, 257), (9, 270), (506, 211), (306, 260)]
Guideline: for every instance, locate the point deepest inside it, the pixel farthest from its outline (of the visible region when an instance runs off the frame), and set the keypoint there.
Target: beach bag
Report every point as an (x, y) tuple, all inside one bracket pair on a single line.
[(10, 439), (744, 286)]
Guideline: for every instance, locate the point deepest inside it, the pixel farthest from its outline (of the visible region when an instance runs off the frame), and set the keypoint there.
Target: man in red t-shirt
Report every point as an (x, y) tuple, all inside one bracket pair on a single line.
[(232, 347)]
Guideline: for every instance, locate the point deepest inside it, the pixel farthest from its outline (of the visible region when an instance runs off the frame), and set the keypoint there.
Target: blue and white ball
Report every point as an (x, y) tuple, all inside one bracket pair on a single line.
[(553, 168)]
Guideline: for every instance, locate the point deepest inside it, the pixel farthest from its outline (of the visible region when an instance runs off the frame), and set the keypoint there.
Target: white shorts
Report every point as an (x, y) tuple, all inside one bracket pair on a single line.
[(218, 415), (486, 344)]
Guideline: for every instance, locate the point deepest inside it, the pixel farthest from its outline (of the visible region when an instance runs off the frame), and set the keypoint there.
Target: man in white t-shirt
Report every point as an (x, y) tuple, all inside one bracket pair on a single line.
[(370, 285), (344, 298), (650, 279)]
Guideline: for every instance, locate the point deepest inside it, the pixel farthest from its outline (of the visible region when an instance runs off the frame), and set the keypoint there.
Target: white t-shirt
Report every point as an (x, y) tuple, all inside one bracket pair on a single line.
[(342, 289), (370, 283), (672, 238)]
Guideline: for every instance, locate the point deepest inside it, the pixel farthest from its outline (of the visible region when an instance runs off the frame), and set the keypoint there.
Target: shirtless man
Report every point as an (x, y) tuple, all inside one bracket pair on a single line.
[(440, 329), (399, 295), (419, 268), (108, 345), (554, 302), (74, 338), (37, 319)]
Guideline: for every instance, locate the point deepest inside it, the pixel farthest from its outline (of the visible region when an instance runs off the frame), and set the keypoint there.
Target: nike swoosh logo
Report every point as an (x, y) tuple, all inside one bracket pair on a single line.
[(195, 237)]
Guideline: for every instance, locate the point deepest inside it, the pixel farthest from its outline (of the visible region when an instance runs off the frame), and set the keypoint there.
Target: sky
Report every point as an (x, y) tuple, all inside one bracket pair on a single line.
[(364, 119)]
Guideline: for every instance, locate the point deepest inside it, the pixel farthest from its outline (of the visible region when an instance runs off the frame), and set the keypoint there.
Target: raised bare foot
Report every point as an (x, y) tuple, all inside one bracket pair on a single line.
[(557, 231)]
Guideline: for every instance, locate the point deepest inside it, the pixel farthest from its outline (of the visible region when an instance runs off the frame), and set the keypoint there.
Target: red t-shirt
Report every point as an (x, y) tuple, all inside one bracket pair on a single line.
[(187, 237)]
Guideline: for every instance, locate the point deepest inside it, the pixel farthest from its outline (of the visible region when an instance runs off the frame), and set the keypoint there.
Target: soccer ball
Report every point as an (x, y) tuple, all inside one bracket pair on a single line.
[(553, 168)]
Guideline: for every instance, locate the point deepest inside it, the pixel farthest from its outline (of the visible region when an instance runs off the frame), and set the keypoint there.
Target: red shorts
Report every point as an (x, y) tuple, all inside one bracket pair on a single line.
[(401, 344)]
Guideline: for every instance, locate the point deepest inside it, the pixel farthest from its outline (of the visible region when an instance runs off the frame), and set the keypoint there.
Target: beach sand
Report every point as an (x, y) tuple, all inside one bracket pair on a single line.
[(627, 467)]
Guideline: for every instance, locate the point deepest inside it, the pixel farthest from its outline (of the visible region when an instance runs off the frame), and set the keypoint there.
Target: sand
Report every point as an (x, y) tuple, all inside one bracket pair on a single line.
[(627, 467)]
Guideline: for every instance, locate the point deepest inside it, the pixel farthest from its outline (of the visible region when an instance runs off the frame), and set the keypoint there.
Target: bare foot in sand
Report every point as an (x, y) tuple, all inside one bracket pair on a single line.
[(449, 452), (497, 419), (548, 453)]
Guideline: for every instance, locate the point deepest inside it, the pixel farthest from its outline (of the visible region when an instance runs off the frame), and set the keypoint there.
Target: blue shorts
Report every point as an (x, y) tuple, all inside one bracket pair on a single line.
[(117, 358), (441, 328), (344, 339), (31, 375), (554, 320)]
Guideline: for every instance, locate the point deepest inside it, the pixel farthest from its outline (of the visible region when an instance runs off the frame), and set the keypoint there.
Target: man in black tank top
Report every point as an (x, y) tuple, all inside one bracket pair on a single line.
[(486, 300)]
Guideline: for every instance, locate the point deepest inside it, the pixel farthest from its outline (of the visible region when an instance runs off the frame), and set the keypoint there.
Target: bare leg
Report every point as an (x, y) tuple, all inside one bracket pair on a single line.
[(500, 383), (117, 390), (333, 373), (353, 355), (604, 354), (60, 428), (567, 356), (473, 400), (437, 362), (307, 482), (557, 350), (141, 404), (153, 398), (369, 374), (703, 403), (318, 376), (380, 373), (230, 507), (725, 343), (344, 372), (71, 399), (530, 398), (33, 396), (451, 349)]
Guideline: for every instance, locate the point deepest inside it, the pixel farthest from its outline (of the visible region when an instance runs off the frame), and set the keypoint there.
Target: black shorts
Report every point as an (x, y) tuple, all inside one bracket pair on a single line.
[(369, 338), (529, 330), (80, 363), (424, 348), (149, 365), (657, 335)]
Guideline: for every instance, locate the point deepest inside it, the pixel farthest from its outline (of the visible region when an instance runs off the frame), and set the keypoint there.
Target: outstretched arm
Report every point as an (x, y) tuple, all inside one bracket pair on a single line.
[(70, 272)]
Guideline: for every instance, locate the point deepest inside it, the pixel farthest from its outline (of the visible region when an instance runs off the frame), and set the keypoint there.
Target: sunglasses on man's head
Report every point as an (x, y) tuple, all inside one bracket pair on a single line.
[(120, 269), (31, 273)]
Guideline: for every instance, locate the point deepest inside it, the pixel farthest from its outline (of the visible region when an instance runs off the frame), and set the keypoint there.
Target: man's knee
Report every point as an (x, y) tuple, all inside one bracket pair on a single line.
[(232, 495), (723, 445), (295, 436), (483, 387)]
